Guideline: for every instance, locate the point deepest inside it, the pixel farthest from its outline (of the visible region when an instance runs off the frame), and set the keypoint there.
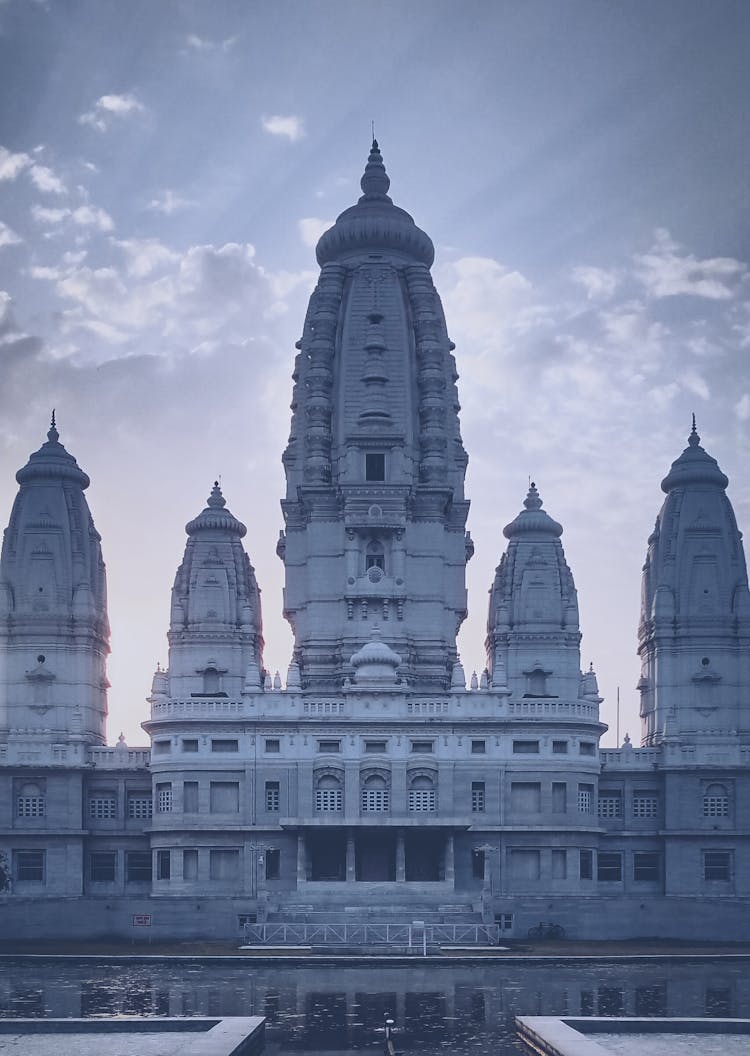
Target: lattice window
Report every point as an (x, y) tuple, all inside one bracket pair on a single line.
[(375, 795), (610, 805), (140, 806), (715, 802), (422, 795), (477, 797), (645, 805), (31, 807), (103, 807), (329, 800), (585, 797), (164, 799), (273, 797)]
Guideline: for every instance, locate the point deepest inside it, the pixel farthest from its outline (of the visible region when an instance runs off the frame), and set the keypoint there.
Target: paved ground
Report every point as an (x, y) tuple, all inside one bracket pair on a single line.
[(565, 949)]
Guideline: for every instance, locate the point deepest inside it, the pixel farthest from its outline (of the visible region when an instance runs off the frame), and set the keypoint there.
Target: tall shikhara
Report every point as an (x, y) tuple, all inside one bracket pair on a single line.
[(374, 510)]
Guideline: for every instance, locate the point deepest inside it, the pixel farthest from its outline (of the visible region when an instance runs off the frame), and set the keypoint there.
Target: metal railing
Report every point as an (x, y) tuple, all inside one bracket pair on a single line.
[(414, 937)]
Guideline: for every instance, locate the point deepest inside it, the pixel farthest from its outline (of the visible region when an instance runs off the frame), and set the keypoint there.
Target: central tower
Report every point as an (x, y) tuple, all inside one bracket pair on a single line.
[(375, 512)]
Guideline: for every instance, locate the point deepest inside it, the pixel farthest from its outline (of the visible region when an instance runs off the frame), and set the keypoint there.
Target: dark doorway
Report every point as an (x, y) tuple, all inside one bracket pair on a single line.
[(376, 856), (327, 855), (425, 858)]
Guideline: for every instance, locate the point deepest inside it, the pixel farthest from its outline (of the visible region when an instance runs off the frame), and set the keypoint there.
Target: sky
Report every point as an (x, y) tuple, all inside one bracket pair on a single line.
[(581, 166)]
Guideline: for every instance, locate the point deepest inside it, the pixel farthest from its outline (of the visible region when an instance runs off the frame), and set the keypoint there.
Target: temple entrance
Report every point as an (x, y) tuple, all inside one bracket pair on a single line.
[(425, 856), (375, 856), (327, 852)]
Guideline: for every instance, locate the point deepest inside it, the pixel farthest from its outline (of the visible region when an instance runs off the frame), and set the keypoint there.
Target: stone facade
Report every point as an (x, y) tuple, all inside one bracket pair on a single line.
[(376, 782)]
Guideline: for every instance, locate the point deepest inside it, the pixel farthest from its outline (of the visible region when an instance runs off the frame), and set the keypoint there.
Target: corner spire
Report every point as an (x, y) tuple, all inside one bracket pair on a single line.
[(694, 439)]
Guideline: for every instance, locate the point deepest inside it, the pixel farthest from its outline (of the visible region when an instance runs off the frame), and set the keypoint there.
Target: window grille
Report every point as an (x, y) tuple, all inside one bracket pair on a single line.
[(645, 806), (422, 800), (103, 807), (31, 806), (273, 797), (164, 799), (477, 797), (609, 806), (584, 799), (715, 806), (375, 799), (329, 800), (140, 806)]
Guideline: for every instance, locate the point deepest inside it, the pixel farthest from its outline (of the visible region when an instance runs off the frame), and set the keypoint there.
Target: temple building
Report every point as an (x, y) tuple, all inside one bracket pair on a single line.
[(374, 782)]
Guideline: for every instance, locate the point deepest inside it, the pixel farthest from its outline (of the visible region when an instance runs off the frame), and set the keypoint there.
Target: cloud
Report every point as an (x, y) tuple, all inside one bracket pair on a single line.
[(169, 202), (44, 179), (291, 126), (11, 165), (205, 46), (311, 228), (667, 271), (742, 408), (598, 283), (145, 255), (83, 216), (8, 236), (110, 107)]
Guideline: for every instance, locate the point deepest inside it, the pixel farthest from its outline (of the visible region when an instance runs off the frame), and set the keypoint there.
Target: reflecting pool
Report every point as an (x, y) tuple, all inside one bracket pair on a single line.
[(466, 1010)]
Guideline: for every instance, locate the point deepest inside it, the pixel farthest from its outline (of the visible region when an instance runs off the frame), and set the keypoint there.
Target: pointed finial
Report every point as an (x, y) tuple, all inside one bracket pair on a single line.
[(375, 181), (532, 500), (694, 439), (53, 436), (216, 500)]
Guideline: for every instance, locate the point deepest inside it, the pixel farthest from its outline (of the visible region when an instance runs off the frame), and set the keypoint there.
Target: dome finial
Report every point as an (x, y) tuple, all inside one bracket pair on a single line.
[(53, 436), (216, 500), (375, 181), (532, 500), (694, 439)]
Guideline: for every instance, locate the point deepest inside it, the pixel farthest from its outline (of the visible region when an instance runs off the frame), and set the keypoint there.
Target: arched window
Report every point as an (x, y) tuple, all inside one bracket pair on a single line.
[(716, 801), (30, 802), (422, 794), (329, 794), (375, 794), (375, 555)]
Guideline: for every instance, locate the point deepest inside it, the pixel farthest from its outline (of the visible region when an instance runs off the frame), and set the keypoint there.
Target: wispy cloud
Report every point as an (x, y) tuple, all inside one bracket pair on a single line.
[(598, 283), (44, 179), (169, 202), (667, 270), (311, 228), (11, 165), (84, 216), (290, 127), (8, 236), (195, 43), (108, 108)]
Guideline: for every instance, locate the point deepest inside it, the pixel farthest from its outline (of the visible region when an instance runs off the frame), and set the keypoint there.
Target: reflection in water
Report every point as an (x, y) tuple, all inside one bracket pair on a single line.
[(464, 1010)]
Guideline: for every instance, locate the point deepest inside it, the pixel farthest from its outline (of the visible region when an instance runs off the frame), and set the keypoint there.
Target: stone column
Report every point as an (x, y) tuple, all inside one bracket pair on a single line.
[(301, 858), (351, 867), (400, 857), (450, 860)]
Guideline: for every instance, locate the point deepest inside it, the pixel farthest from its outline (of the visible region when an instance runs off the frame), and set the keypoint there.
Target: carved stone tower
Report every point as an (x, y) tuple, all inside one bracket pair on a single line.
[(694, 632), (375, 512), (54, 632)]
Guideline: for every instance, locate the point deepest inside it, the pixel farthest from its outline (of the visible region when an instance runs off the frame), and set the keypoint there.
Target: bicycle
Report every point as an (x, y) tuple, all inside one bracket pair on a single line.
[(546, 931)]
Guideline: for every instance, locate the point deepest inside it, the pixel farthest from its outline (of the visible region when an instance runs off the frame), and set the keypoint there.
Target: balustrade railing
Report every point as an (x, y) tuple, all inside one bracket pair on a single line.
[(411, 937)]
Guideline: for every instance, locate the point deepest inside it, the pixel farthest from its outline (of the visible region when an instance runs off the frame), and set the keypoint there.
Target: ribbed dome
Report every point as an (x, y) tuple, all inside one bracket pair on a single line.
[(214, 516), (52, 461), (533, 518), (694, 466), (375, 223)]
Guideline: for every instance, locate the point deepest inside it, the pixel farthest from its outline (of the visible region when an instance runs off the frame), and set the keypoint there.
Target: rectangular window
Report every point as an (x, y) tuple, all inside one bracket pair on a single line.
[(422, 800), (586, 865), (716, 806), (273, 744), (29, 866), (190, 865), (140, 805), (585, 798), (422, 747), (524, 864), (717, 865), (646, 866), (224, 744), (190, 797), (609, 866), (376, 747), (225, 797), (559, 797), (477, 797), (559, 864), (30, 806), (645, 804), (526, 796), (190, 744), (164, 798), (138, 867), (329, 747), (610, 803), (273, 863), (163, 865), (161, 747), (504, 921), (374, 466), (273, 797), (329, 800), (526, 747), (477, 863), (559, 747), (224, 865), (587, 748), (104, 807), (102, 867), (478, 747)]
